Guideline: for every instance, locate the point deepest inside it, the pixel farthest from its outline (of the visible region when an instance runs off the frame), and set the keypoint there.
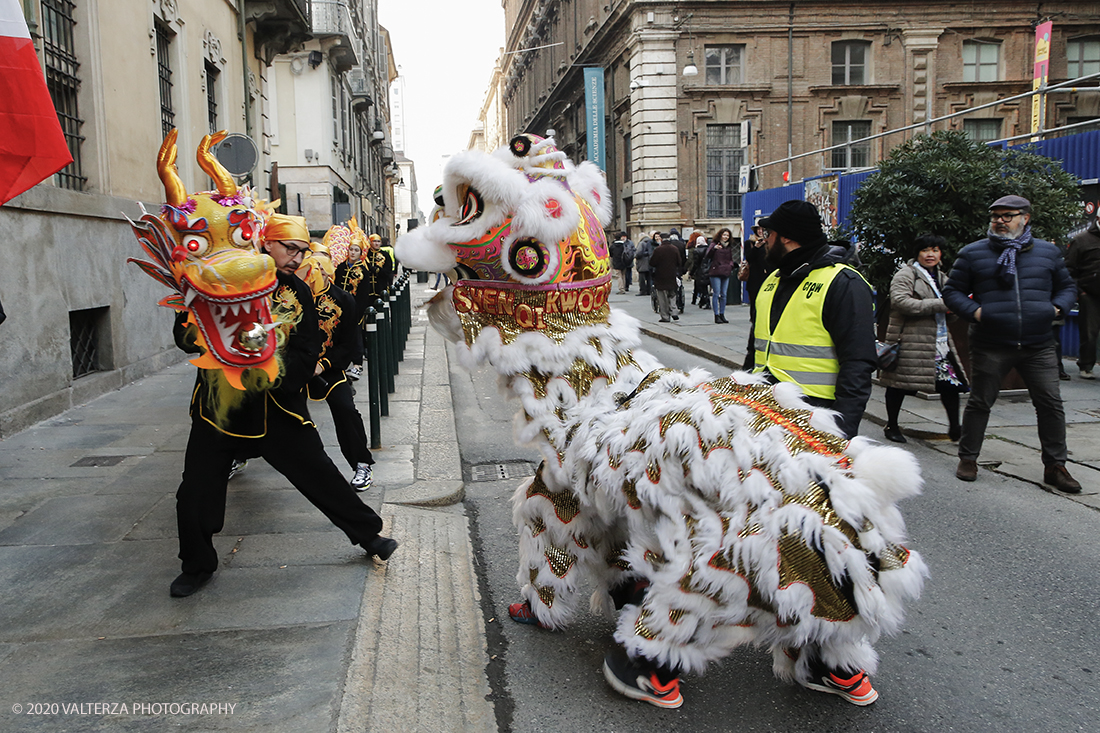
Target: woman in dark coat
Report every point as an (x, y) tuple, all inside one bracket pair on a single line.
[(722, 259), (927, 358)]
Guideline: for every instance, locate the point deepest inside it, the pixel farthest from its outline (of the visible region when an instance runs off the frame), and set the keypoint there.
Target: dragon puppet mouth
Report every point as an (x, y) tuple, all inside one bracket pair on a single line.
[(237, 329)]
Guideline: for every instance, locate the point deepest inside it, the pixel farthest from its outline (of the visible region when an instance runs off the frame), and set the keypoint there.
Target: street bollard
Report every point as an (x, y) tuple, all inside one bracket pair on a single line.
[(406, 311), (372, 380), (391, 346), (384, 376), (398, 346), (385, 335)]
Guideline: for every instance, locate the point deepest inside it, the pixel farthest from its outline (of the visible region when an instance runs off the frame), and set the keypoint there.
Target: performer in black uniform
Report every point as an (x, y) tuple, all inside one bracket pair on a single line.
[(349, 275), (273, 424), (340, 333)]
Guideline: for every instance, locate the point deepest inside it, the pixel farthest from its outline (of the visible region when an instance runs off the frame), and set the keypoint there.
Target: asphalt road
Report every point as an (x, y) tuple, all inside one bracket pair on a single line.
[(1004, 638)]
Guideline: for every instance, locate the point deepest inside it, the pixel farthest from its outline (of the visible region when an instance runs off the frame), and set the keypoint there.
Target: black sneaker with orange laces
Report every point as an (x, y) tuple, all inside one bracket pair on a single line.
[(639, 680), (855, 687)]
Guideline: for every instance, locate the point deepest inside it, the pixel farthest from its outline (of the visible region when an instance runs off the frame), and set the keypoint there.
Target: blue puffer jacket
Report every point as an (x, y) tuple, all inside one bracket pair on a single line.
[(1020, 314)]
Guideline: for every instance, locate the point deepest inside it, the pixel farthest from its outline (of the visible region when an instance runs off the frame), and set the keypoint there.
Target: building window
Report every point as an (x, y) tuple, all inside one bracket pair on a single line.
[(1083, 57), (212, 96), (851, 156), (850, 62), (164, 74), (86, 328), (724, 158), (723, 64), (63, 83), (981, 60), (335, 111), (982, 131)]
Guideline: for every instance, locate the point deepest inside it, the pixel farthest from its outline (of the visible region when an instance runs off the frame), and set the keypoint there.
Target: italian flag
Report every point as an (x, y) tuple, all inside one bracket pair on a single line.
[(32, 146)]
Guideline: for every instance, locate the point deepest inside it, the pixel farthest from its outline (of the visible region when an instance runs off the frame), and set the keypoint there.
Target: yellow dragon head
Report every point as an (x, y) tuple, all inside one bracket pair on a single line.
[(204, 247)]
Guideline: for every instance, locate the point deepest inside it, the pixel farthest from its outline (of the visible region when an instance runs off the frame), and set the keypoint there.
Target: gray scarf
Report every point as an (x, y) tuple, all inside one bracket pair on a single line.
[(1006, 270)]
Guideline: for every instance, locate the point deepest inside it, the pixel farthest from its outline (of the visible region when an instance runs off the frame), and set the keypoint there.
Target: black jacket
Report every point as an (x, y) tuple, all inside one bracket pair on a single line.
[(849, 317), (297, 357), (1020, 313), (336, 318), (1083, 259)]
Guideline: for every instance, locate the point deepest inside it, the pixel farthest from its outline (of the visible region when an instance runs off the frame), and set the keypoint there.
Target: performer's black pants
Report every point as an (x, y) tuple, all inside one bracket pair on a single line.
[(350, 432), (292, 449)]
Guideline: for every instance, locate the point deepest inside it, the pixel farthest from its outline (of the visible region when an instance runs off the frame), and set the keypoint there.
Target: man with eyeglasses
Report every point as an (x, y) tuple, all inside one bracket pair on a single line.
[(269, 421), (1012, 286)]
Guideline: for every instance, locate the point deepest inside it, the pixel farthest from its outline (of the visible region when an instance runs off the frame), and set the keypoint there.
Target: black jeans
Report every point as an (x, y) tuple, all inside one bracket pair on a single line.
[(294, 450), (350, 433), (1038, 366), (1088, 326)]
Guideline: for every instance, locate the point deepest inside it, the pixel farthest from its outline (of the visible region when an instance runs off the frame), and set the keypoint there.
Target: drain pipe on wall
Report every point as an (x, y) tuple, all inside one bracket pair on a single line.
[(790, 89), (243, 35)]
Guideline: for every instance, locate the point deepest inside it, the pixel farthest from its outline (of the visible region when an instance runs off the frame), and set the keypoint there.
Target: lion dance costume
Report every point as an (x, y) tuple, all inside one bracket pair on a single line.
[(741, 512)]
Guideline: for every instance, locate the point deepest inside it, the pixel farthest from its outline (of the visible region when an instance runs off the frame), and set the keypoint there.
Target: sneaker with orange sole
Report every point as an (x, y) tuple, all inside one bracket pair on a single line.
[(638, 681), (521, 613), (855, 688)]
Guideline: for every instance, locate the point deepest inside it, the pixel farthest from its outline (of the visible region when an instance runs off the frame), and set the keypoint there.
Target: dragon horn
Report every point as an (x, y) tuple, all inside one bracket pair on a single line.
[(211, 166), (166, 168)]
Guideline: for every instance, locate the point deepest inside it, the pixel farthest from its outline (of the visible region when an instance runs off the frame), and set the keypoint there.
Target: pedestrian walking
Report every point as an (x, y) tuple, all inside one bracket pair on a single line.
[(697, 252), (1083, 263), (752, 271), (615, 250), (815, 316), (1012, 286), (665, 264), (927, 358), (641, 261), (722, 259)]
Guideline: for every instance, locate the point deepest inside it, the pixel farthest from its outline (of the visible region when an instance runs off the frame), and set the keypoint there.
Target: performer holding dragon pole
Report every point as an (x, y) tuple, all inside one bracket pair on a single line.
[(716, 511), (254, 327)]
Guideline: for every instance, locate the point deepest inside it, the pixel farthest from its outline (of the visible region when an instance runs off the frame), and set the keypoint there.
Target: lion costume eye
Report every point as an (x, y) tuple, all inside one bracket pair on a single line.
[(528, 258), (471, 208), (195, 245)]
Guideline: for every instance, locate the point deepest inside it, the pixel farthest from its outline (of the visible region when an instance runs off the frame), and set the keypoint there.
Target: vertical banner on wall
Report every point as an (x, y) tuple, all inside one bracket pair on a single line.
[(1042, 70), (593, 115)]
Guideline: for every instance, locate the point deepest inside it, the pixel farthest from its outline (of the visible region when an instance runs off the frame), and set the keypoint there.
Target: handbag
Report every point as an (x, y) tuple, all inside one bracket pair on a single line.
[(887, 355)]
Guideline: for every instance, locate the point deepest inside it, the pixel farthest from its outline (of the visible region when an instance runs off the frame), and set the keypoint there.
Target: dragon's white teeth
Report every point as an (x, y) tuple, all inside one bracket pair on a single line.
[(189, 295), (270, 326), (236, 308)]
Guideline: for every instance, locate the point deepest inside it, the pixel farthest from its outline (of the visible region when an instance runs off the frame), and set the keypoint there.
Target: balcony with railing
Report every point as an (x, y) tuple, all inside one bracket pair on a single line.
[(280, 24), (333, 19)]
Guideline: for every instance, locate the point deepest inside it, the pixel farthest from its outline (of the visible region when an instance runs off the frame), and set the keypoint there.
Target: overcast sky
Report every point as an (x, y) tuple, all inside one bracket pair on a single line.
[(446, 51)]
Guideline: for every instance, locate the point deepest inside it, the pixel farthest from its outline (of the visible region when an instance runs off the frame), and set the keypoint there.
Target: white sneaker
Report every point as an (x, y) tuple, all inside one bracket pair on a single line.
[(363, 477), (354, 372), (1087, 374), (236, 468)]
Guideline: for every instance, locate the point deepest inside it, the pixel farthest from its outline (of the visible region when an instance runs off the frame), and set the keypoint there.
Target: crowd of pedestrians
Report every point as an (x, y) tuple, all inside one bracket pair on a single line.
[(1014, 290)]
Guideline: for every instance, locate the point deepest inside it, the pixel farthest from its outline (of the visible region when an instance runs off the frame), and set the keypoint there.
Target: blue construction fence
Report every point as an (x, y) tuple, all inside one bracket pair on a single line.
[(1079, 154)]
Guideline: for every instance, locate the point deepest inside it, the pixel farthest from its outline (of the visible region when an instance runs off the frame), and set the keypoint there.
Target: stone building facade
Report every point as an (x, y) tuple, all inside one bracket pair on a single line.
[(330, 129), (81, 321), (776, 79)]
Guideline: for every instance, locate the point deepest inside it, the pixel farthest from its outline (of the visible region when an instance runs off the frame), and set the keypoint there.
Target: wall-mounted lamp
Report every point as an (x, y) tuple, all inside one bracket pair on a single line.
[(550, 132), (638, 83), (691, 69), (315, 59), (378, 135)]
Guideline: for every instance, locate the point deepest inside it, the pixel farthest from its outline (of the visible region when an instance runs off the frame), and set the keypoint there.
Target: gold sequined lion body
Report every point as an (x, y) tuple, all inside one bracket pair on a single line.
[(752, 521)]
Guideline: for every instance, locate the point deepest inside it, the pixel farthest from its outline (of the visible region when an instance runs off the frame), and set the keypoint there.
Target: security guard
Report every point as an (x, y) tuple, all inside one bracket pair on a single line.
[(815, 316)]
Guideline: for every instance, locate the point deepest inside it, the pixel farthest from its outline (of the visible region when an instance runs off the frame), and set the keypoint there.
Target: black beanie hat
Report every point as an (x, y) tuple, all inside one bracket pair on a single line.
[(796, 220)]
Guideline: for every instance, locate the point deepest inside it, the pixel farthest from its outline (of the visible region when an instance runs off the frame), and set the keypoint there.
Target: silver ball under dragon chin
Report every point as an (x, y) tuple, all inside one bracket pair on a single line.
[(252, 338)]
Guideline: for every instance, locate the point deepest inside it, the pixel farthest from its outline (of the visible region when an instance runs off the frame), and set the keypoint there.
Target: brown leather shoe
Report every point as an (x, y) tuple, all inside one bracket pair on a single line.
[(967, 470), (1059, 478)]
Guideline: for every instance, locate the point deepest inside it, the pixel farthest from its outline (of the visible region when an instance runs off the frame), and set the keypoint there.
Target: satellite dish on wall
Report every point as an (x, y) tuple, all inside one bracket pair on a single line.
[(238, 154)]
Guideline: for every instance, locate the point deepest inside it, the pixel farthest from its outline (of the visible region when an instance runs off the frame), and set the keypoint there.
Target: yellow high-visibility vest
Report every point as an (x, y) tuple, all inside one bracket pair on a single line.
[(798, 349)]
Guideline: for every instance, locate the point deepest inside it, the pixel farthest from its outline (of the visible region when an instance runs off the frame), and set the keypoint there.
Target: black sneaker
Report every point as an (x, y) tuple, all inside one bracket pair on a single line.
[(855, 688), (638, 682), (188, 583), (381, 547)]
